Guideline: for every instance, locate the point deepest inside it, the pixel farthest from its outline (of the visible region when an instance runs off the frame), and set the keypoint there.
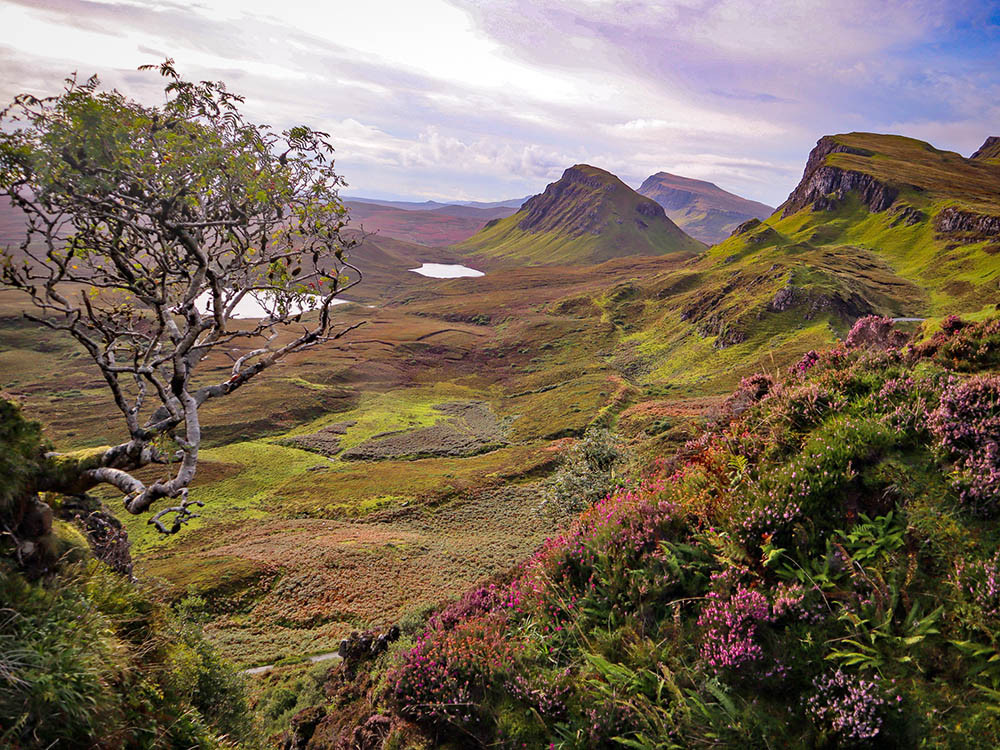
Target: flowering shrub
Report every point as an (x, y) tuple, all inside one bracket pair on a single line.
[(809, 523), (876, 332), (827, 465), (733, 623), (952, 324), (904, 403), (808, 361), (444, 678), (730, 626), (473, 603), (963, 346), (980, 582), (967, 427), (546, 696), (751, 389), (850, 707), (769, 523), (805, 405)]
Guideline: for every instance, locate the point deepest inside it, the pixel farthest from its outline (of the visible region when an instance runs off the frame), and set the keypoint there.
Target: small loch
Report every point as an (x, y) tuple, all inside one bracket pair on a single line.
[(446, 271)]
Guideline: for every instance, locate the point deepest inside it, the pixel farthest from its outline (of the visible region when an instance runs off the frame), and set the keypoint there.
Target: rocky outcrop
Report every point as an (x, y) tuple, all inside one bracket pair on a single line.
[(359, 647), (766, 236), (907, 214), (989, 150), (953, 221), (824, 186), (847, 307), (746, 226), (303, 727)]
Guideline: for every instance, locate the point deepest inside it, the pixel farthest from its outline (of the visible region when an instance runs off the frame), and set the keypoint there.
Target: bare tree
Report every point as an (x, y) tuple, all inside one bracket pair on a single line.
[(146, 228)]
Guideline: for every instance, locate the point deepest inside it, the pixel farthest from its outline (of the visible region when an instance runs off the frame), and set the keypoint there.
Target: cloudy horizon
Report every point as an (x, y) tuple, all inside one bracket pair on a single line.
[(492, 99)]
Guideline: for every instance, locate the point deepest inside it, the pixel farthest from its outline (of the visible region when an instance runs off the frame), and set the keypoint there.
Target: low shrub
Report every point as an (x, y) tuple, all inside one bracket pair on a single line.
[(966, 425), (87, 659), (587, 472), (876, 332)]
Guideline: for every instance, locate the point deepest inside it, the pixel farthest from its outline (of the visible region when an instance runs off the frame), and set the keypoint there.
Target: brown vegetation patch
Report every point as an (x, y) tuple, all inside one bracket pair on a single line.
[(339, 576), (326, 441), (472, 429)]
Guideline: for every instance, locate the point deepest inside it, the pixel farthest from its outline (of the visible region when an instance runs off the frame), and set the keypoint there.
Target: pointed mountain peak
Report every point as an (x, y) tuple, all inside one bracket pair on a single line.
[(580, 201), (586, 215)]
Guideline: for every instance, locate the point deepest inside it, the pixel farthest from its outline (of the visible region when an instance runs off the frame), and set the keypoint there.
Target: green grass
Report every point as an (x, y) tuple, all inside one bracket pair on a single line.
[(589, 216), (400, 409), (259, 470)]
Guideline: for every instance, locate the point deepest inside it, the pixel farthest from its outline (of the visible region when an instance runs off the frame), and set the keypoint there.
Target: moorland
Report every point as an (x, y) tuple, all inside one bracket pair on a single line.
[(406, 475)]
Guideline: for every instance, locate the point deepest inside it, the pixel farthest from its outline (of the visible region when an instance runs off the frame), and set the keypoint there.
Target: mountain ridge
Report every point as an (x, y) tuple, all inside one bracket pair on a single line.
[(701, 208), (931, 217)]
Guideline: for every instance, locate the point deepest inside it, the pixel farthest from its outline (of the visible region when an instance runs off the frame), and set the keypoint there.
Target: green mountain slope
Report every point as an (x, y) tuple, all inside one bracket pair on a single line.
[(587, 216), (878, 225), (989, 151), (932, 216), (702, 209), (818, 570)]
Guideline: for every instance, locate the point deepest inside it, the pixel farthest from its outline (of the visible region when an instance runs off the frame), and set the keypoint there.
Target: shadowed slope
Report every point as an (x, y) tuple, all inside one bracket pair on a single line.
[(989, 151), (702, 209)]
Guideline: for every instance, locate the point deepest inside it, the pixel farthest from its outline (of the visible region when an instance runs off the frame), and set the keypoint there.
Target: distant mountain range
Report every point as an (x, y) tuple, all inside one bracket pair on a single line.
[(514, 203), (438, 226), (586, 216), (702, 209)]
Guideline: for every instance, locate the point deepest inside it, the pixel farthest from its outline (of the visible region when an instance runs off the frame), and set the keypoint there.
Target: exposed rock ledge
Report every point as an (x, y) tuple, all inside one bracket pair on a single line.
[(952, 220), (820, 181)]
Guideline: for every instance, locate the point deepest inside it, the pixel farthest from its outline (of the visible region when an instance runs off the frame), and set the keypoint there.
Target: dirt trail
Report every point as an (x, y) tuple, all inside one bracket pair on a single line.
[(314, 659)]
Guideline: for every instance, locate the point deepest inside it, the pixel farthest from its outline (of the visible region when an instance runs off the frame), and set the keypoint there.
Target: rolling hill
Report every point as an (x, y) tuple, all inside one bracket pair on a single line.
[(586, 216), (702, 209), (430, 205), (442, 225), (304, 539)]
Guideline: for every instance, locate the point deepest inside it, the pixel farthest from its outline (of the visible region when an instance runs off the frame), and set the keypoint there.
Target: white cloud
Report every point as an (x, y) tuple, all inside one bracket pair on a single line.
[(492, 98)]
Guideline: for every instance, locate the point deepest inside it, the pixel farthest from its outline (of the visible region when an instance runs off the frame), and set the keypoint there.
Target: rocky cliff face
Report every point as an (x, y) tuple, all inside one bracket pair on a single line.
[(823, 185), (952, 220), (989, 150)]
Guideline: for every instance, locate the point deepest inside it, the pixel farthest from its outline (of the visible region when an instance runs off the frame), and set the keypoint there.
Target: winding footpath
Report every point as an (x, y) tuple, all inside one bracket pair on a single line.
[(313, 659)]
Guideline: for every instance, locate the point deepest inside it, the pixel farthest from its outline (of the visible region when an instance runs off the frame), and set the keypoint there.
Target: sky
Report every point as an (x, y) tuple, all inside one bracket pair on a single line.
[(493, 99)]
